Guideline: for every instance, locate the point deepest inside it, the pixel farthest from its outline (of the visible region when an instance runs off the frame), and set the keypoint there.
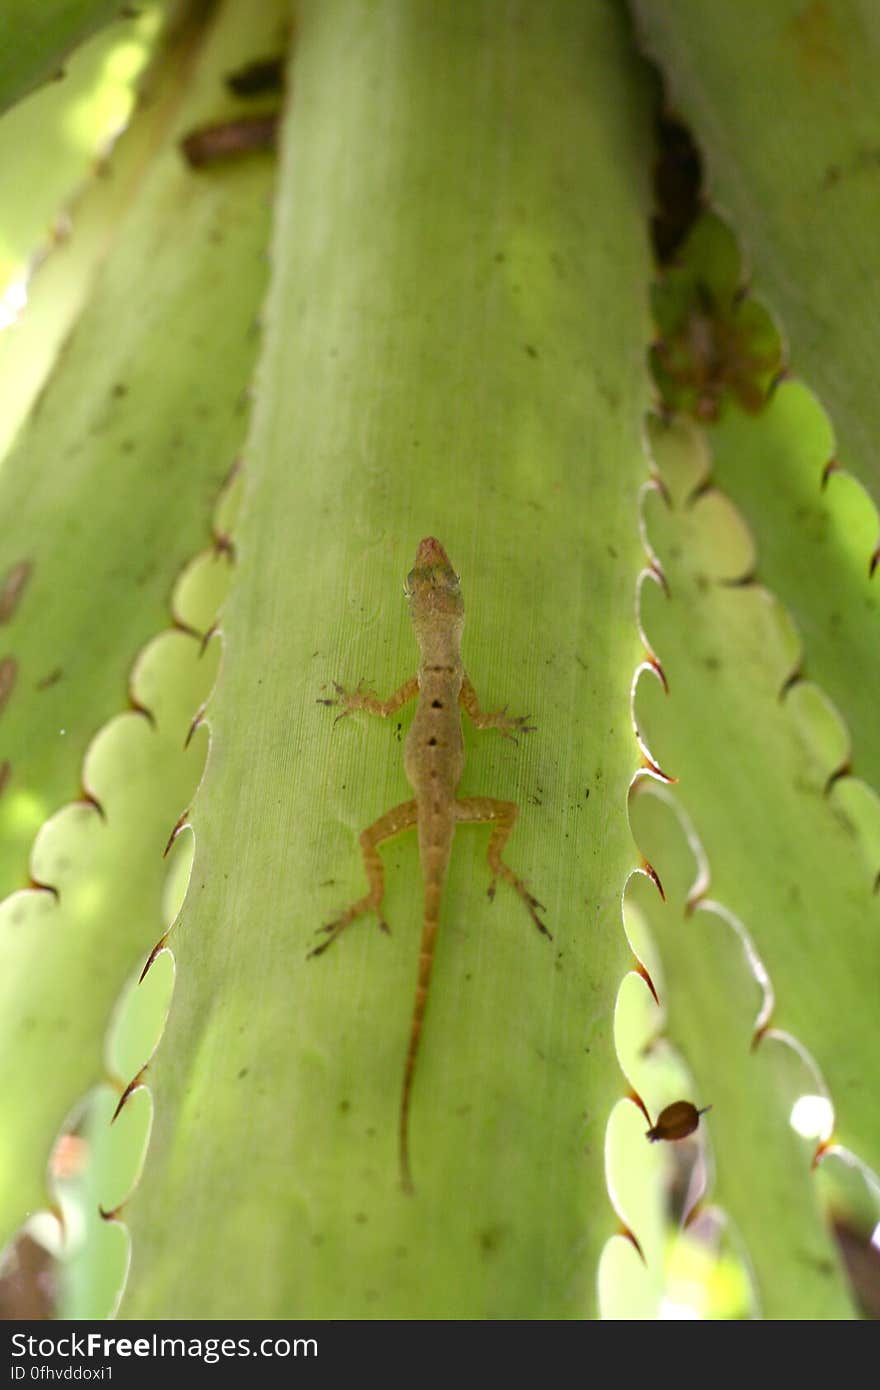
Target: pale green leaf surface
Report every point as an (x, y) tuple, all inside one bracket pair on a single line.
[(785, 856), (446, 354), (781, 99)]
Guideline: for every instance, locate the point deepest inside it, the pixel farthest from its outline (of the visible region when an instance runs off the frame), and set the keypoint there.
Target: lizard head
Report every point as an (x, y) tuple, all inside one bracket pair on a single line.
[(433, 587)]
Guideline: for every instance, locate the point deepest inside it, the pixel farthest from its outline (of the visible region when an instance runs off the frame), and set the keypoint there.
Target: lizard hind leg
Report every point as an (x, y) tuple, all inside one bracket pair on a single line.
[(503, 816), (398, 819)]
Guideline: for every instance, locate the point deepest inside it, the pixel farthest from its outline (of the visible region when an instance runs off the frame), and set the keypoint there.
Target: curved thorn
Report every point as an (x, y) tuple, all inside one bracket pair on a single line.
[(791, 681), (198, 719), (183, 820), (139, 708), (832, 466), (643, 971), (136, 1081), (89, 799), (652, 874), (628, 1235), (844, 770)]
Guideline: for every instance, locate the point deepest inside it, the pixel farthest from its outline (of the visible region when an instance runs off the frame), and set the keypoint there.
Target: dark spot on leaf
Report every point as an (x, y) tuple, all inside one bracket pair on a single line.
[(12, 588), (262, 75)]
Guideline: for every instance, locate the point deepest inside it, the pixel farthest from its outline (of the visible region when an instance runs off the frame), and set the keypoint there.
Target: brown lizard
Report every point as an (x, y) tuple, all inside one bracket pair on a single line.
[(433, 761)]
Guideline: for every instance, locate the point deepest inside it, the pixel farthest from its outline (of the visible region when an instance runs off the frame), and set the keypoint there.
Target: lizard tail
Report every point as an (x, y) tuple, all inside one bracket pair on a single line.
[(426, 961)]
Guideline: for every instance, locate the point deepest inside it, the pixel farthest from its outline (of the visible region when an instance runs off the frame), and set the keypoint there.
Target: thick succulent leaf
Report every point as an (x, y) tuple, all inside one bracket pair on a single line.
[(113, 486), (781, 99), (754, 758), (112, 491), (814, 531), (37, 35), (446, 354), (711, 1001)]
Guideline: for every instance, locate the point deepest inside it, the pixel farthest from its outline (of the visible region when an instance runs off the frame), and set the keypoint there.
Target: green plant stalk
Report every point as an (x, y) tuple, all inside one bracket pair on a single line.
[(446, 353)]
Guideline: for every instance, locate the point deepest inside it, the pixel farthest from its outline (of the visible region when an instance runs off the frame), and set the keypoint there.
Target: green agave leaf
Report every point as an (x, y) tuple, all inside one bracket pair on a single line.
[(789, 126), (112, 487), (37, 35), (712, 1000), (111, 490), (753, 758), (446, 354)]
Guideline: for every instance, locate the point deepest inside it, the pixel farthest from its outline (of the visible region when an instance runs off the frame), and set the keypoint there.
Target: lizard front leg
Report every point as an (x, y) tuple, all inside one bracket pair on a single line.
[(503, 814), (363, 699), (399, 818), (499, 719)]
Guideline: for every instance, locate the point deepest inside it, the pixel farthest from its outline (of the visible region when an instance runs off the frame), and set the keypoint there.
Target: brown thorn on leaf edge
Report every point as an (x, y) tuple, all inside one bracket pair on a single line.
[(653, 875), (39, 887), (791, 681), (180, 626), (741, 581), (224, 545), (776, 381), (832, 466), (873, 563), (642, 970), (844, 770), (628, 1235), (135, 1082), (693, 900), (821, 1150), (649, 763), (206, 637), (138, 708), (705, 485), (637, 1100), (113, 1214), (655, 664), (182, 821), (198, 718), (758, 1036), (659, 574), (89, 799), (159, 946), (657, 482)]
